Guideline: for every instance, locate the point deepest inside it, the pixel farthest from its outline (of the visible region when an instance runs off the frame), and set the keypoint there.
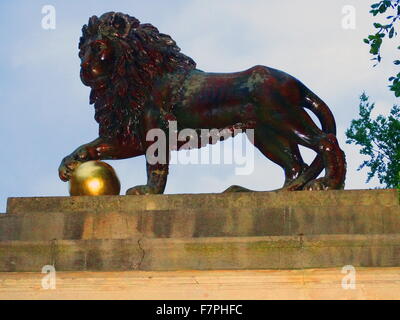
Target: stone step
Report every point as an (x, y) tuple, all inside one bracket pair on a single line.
[(195, 223), (260, 200), (321, 284), (225, 253)]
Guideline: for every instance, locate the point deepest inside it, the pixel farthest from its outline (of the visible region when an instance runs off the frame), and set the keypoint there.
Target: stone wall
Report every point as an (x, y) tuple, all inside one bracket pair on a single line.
[(260, 230)]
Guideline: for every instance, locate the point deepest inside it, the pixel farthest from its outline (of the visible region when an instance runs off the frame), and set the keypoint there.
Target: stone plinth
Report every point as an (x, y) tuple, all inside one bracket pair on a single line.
[(239, 231)]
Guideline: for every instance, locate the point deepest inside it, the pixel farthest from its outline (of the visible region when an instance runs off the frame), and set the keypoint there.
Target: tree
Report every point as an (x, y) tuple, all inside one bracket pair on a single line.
[(375, 40), (380, 138), (380, 141)]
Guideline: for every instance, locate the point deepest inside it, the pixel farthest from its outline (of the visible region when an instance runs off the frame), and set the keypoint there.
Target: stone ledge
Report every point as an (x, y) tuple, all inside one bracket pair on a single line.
[(388, 197), (196, 223), (230, 253)]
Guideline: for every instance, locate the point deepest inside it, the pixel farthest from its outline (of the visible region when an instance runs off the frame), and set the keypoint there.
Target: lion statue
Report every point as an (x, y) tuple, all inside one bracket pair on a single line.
[(140, 81)]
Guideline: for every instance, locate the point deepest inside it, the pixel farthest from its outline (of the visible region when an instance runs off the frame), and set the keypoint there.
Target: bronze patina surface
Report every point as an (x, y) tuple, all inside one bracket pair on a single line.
[(140, 80)]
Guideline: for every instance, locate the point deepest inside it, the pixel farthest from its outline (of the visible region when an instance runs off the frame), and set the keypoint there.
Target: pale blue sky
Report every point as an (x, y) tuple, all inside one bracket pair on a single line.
[(44, 110)]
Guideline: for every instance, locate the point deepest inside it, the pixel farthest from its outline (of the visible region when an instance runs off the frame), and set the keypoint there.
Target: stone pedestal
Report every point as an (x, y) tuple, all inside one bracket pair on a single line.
[(239, 231)]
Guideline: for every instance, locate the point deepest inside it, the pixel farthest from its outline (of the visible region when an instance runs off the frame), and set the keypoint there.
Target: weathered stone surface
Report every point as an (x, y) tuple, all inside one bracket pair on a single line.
[(293, 230), (98, 255), (195, 223), (228, 253), (25, 256), (278, 252), (203, 201)]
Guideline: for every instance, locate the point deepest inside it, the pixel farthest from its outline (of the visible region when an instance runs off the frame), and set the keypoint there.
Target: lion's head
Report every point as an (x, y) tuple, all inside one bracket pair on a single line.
[(120, 60)]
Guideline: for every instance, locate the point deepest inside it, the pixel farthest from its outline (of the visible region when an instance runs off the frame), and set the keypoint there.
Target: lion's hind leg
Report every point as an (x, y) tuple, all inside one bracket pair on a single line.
[(304, 132), (284, 153)]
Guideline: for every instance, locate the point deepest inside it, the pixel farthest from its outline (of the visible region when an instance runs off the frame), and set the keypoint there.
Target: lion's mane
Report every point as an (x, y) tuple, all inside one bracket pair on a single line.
[(143, 55)]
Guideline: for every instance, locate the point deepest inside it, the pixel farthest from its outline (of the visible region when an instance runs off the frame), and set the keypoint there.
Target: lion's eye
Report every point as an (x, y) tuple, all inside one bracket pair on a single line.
[(98, 46)]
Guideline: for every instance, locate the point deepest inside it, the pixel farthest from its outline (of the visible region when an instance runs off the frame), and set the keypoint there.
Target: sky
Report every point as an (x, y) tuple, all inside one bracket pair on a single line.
[(44, 107)]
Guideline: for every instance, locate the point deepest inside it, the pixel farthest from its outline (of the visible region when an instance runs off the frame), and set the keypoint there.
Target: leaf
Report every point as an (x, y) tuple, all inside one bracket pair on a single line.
[(391, 33)]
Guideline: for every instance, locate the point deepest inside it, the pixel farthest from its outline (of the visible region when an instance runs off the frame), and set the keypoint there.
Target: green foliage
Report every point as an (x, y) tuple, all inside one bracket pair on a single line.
[(375, 40), (380, 141)]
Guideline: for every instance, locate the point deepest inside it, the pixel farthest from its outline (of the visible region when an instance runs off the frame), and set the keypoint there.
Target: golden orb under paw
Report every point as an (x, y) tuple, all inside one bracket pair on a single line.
[(94, 178)]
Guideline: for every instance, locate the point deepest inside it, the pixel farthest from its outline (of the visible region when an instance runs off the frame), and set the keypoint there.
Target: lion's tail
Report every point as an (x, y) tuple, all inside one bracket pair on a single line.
[(321, 110)]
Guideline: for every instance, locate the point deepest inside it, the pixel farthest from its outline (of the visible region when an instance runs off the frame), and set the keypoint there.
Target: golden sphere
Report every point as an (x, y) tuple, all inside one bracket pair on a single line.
[(94, 178)]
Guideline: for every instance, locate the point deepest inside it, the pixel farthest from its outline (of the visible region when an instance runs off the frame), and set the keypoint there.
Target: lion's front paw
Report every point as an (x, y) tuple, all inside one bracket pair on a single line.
[(318, 184), (67, 166), (140, 190)]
